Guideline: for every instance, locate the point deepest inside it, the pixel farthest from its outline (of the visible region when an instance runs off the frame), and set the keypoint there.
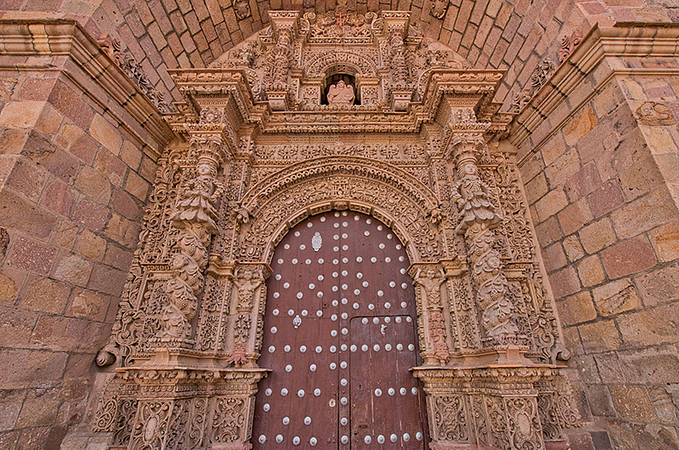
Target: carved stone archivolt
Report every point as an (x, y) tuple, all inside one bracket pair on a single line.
[(251, 161)]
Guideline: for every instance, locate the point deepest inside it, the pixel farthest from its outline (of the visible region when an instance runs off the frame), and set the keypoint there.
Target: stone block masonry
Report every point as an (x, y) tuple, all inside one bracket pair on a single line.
[(601, 185), (75, 171)]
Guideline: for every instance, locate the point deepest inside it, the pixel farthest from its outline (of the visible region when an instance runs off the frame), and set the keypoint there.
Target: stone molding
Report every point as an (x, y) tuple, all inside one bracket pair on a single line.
[(62, 37), (626, 39)]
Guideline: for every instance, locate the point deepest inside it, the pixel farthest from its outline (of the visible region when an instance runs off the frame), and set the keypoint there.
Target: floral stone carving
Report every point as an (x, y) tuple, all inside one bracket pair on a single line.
[(253, 158)]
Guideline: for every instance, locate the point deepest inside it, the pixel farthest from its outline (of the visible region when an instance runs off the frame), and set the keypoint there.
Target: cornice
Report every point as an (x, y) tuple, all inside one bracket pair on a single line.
[(625, 39), (461, 87), (64, 37)]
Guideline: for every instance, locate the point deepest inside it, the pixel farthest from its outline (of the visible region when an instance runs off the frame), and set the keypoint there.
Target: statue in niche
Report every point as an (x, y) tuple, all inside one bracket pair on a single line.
[(341, 94)]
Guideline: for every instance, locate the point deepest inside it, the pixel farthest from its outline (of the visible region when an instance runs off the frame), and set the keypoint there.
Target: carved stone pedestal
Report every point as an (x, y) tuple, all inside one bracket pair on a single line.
[(168, 406), (502, 406)]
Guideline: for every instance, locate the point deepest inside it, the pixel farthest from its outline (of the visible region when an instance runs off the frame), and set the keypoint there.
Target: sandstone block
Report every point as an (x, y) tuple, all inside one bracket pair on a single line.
[(573, 248), (574, 216), (640, 178), (554, 257), (610, 368), (111, 166), (553, 202), (10, 405), (68, 334), (650, 326), (106, 134), (579, 126), (645, 213), (18, 213), (130, 154), (653, 436), (40, 148), (536, 188), (90, 245), (21, 114), (606, 198), (65, 235), (554, 148), (632, 402), (583, 182), (122, 231), (118, 257), (8, 289), (31, 255), (26, 178), (655, 365), (107, 279), (91, 214), (83, 146), (628, 257), (563, 168), (32, 438), (596, 236), (599, 399), (548, 232), (39, 409), (88, 304), (660, 285), (599, 336), (125, 205), (616, 297), (94, 185), (74, 269), (16, 326), (36, 89), (31, 368), (565, 282), (577, 308), (591, 271), (137, 186), (59, 197), (71, 105), (45, 295), (49, 121), (12, 141)]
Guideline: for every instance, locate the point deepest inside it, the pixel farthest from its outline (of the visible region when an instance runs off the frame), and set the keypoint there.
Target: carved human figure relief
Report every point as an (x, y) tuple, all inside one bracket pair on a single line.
[(341, 94)]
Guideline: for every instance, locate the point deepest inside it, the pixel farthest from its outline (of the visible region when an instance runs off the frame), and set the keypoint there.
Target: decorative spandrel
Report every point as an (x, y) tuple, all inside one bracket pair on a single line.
[(340, 335)]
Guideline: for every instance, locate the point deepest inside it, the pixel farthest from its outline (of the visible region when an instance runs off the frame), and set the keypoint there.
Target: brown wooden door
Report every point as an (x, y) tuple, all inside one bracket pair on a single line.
[(340, 338)]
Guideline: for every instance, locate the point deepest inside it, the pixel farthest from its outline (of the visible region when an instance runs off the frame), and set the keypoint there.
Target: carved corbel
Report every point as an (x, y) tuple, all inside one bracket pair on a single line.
[(249, 294), (428, 279)]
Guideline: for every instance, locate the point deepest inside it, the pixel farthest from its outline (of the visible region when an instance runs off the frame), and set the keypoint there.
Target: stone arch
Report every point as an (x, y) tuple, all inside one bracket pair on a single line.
[(319, 65), (394, 197)]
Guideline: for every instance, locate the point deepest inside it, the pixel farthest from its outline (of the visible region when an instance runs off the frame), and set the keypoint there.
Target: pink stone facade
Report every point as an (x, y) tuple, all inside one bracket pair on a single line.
[(597, 147)]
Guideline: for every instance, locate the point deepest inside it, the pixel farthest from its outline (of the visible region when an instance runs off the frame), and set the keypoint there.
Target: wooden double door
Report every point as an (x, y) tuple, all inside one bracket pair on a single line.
[(340, 337)]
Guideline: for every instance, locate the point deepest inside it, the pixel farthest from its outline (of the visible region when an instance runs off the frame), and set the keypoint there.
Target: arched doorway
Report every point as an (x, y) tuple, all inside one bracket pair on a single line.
[(340, 337)]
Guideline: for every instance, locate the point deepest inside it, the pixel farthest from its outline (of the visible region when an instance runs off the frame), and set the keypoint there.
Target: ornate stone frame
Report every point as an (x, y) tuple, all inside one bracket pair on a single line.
[(190, 325)]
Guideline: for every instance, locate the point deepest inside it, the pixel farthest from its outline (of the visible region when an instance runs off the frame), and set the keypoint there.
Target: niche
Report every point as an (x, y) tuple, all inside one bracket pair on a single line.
[(334, 79)]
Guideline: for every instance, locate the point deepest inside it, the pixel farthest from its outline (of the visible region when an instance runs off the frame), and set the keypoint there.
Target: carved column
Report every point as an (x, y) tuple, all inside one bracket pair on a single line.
[(396, 25), (279, 59), (195, 216), (247, 313), (477, 220)]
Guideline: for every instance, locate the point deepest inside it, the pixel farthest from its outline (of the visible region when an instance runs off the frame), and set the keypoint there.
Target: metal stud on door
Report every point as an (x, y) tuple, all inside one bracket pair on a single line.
[(340, 338)]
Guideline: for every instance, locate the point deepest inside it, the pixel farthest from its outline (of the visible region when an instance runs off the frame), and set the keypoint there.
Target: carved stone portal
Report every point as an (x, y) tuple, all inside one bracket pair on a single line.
[(253, 159)]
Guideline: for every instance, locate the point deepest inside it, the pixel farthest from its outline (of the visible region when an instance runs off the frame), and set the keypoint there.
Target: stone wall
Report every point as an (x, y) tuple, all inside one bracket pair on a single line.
[(75, 171), (507, 34), (601, 182)]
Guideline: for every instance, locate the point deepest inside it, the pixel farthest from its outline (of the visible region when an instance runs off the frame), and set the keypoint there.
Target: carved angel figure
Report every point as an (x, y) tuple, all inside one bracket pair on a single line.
[(198, 198), (341, 94), (473, 200), (246, 289)]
